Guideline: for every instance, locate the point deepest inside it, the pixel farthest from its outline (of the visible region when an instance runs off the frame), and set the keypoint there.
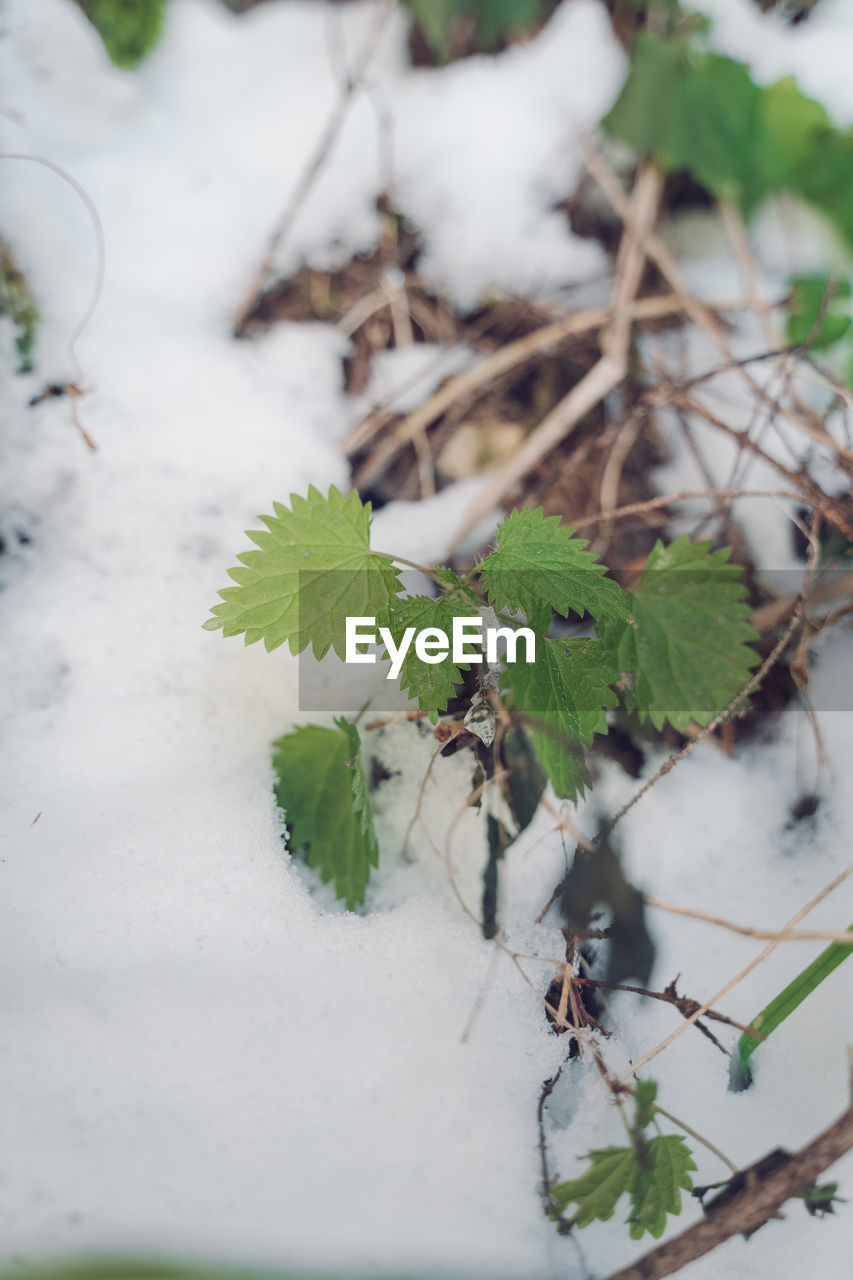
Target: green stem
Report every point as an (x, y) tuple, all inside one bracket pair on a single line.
[(785, 1003)]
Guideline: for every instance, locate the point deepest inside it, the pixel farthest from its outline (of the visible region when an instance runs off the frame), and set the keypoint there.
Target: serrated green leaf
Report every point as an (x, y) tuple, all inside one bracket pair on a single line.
[(432, 684), (596, 1192), (687, 644), (313, 569), (564, 762), (321, 786), (562, 696), (656, 1190), (538, 562), (566, 688)]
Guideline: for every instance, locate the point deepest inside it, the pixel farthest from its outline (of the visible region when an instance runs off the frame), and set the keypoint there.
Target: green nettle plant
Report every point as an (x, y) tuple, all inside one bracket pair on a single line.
[(676, 649)]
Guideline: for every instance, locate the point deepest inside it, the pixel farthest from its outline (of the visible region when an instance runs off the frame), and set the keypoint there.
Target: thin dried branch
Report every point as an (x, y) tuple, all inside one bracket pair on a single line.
[(605, 375), (477, 376), (780, 935), (753, 964), (349, 91), (657, 251)]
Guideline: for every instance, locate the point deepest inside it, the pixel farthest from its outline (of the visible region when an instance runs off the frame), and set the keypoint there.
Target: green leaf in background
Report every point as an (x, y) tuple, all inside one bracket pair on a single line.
[(129, 28), (687, 644), (655, 1190), (596, 1192), (818, 298), (702, 113), (314, 567), (791, 129), (494, 21), (537, 562), (321, 787), (825, 178), (432, 684), (691, 110), (17, 303), (784, 1004), (652, 1171)]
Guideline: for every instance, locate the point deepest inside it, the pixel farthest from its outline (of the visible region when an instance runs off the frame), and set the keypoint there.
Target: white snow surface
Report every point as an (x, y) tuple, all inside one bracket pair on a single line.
[(202, 1054)]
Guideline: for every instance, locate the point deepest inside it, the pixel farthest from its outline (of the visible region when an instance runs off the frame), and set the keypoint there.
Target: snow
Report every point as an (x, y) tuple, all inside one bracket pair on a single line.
[(202, 1054)]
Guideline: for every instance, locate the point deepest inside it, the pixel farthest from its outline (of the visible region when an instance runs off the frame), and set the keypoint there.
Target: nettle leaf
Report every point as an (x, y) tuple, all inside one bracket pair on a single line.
[(566, 688), (313, 569), (321, 786), (596, 1192), (564, 762), (538, 562), (562, 696), (432, 684), (687, 644), (656, 1189)]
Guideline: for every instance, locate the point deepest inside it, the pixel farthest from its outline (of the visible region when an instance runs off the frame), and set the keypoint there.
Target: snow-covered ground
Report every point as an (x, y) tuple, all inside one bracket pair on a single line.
[(201, 1054)]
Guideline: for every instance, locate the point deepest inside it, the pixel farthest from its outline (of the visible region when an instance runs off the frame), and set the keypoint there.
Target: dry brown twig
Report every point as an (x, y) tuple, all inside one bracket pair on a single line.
[(491, 367), (753, 964), (352, 85), (779, 935), (609, 371), (698, 312)]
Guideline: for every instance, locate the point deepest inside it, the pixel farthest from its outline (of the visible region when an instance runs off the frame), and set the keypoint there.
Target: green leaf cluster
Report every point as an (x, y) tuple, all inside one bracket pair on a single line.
[(679, 644), (129, 28), (321, 787), (651, 1171), (702, 113)]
